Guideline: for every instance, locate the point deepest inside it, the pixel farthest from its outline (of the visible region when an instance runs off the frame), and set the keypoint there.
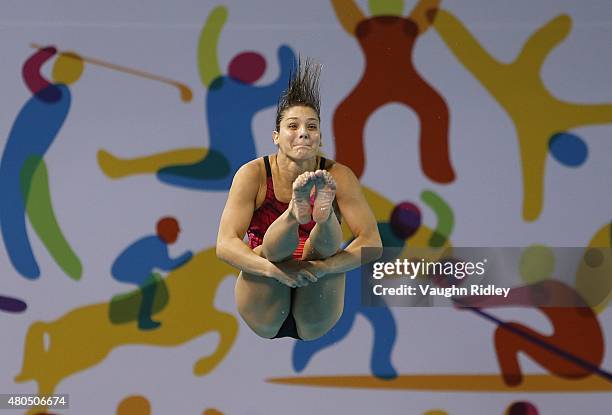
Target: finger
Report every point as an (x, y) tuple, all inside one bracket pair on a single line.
[(302, 281), (287, 281), (310, 276), (297, 282)]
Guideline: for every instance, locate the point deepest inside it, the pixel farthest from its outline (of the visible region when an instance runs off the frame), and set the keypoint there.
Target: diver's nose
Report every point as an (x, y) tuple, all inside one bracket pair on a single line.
[(303, 132)]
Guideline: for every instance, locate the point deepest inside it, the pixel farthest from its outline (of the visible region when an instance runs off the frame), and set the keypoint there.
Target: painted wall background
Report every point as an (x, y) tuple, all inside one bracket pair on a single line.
[(527, 162)]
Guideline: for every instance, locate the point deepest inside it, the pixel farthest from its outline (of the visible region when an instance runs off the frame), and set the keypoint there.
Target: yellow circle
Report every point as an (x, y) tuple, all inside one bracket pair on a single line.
[(537, 264), (134, 405), (67, 69)]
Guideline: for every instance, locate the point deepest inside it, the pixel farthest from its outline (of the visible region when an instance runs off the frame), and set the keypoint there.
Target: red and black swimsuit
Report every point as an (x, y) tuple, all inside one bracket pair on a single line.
[(271, 209), (263, 217)]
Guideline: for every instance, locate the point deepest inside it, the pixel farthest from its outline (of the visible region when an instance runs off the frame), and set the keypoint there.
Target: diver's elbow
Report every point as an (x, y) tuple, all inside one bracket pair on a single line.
[(221, 251)]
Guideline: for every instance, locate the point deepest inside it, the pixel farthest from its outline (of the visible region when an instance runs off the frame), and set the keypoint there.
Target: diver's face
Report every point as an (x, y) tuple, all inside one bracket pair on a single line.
[(299, 135)]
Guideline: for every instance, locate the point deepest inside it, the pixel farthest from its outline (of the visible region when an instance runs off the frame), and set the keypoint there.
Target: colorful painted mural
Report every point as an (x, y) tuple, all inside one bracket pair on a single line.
[(481, 123)]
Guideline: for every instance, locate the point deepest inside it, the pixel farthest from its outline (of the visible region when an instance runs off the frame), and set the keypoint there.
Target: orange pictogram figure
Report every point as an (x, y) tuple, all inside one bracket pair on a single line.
[(387, 41)]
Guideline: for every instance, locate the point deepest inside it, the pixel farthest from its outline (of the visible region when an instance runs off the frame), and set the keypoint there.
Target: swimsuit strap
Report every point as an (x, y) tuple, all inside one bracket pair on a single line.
[(269, 181), (322, 163), (268, 168)]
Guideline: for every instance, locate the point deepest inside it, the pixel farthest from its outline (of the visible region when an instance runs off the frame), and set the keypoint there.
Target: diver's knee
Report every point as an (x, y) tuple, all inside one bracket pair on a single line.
[(273, 256), (266, 332), (311, 329), (314, 331), (264, 322)]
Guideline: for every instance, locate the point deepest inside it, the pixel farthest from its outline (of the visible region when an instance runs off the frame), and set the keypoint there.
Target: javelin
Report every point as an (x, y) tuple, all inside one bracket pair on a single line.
[(550, 347), (185, 91)]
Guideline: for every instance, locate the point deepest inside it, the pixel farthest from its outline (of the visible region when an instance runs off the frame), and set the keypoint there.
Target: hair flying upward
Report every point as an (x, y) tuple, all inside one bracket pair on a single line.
[(303, 89)]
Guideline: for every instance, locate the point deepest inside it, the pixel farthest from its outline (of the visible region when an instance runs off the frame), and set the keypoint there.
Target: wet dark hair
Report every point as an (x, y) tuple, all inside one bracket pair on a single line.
[(303, 89)]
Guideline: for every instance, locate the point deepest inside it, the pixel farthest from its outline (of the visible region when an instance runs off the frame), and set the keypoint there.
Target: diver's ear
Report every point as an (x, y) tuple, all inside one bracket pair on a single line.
[(275, 137)]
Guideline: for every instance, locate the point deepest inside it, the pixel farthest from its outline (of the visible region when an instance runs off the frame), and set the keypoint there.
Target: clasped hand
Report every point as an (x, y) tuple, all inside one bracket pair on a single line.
[(295, 274)]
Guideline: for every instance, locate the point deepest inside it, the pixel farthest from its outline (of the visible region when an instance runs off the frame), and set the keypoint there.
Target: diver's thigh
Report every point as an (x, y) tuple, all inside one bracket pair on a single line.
[(317, 307), (262, 302)]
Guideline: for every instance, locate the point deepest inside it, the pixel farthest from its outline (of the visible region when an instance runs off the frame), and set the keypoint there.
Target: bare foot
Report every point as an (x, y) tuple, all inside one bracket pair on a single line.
[(326, 192), (302, 186)]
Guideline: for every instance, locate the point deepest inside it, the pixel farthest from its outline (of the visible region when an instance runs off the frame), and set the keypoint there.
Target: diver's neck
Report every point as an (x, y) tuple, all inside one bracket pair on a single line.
[(292, 168)]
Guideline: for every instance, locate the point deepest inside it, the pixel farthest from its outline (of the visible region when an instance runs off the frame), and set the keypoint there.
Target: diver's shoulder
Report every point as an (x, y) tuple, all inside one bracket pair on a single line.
[(251, 170), (336, 168)]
